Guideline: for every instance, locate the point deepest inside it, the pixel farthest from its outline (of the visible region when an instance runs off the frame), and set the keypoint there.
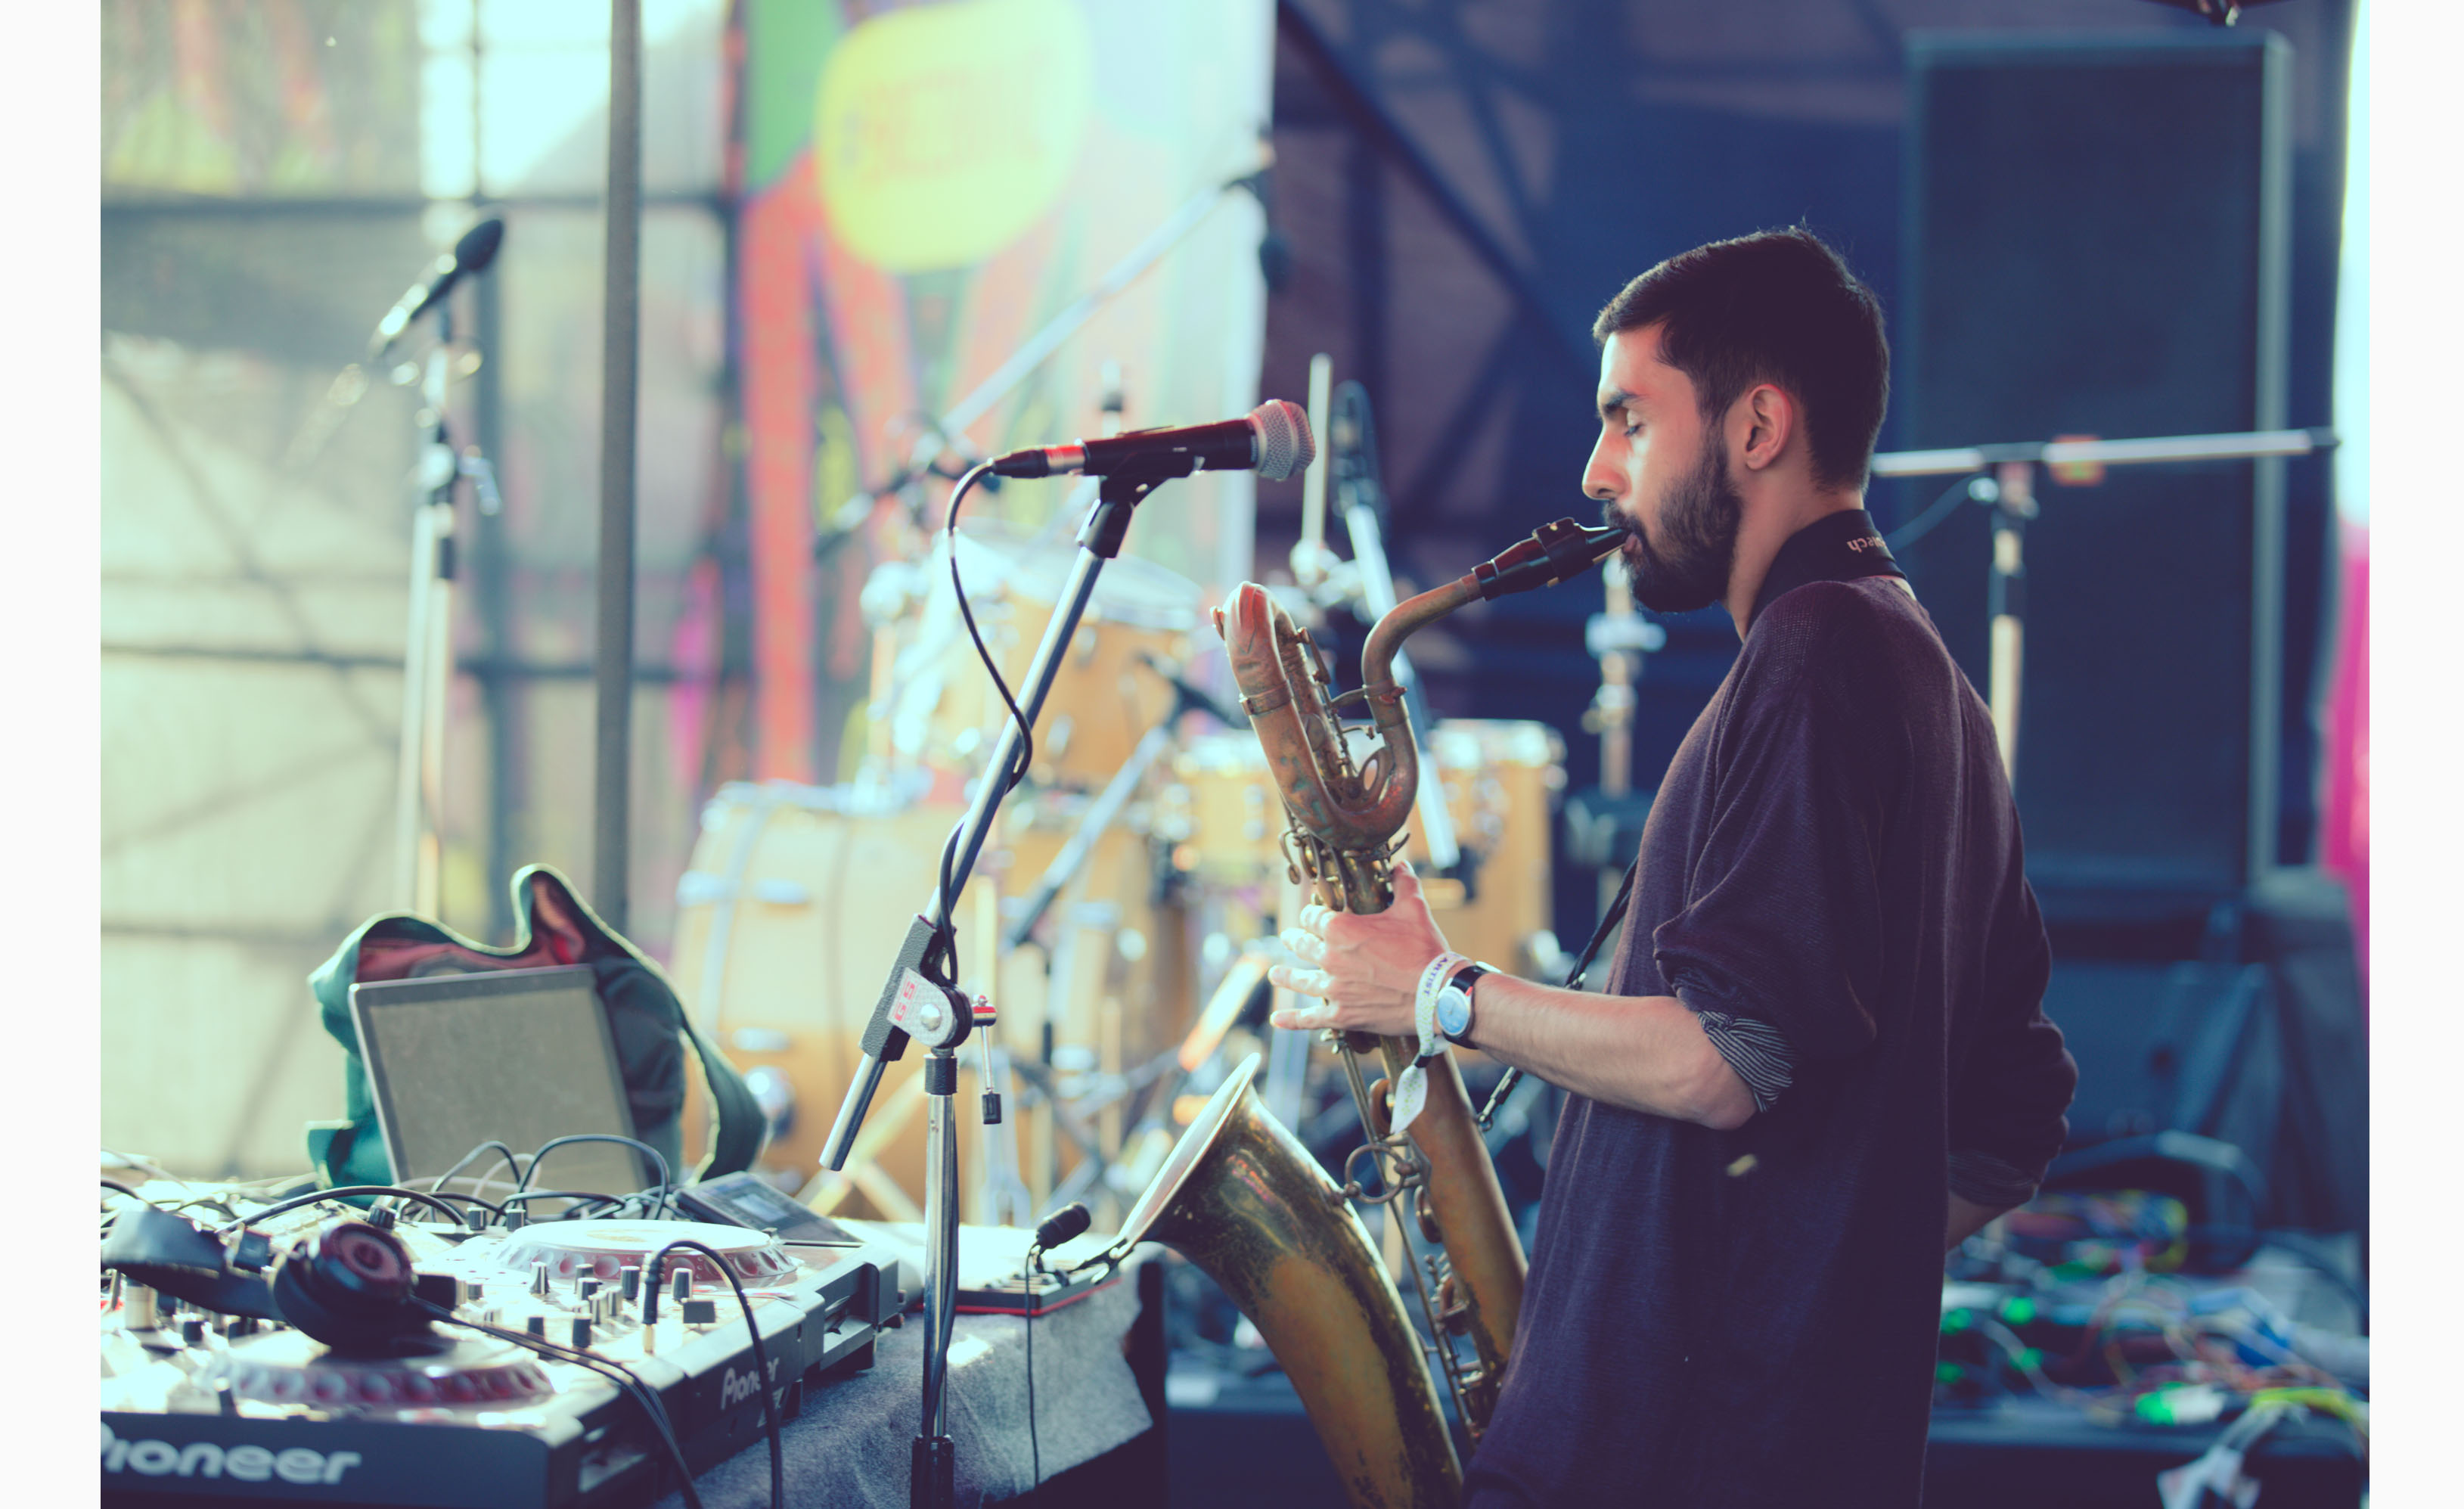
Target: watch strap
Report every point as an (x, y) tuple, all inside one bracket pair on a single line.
[(1466, 975)]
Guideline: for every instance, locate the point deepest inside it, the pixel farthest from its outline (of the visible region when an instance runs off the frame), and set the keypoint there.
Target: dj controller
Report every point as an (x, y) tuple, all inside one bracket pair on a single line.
[(425, 1412)]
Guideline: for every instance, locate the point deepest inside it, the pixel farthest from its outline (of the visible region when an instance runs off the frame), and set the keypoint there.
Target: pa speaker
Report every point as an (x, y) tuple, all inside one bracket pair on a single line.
[(2097, 245)]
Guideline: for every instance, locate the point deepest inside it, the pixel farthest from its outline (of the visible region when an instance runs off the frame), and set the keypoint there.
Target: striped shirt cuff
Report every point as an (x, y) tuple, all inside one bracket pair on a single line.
[(1755, 1050), (1989, 1181)]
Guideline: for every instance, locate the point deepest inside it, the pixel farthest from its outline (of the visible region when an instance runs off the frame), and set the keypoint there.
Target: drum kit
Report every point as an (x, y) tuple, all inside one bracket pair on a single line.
[(1125, 911)]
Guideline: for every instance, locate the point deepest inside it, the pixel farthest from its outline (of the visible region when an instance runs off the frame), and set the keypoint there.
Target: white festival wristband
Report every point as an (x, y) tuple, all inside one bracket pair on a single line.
[(1412, 1085), (1424, 1001)]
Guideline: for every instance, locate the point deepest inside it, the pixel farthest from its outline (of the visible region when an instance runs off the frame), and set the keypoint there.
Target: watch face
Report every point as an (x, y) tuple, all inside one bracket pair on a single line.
[(1453, 1010)]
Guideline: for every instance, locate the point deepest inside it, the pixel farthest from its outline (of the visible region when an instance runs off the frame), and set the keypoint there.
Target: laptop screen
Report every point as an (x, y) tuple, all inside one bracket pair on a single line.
[(517, 1055)]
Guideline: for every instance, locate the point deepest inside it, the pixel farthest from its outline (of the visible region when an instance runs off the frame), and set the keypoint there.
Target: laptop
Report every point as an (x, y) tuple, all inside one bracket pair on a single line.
[(520, 1056)]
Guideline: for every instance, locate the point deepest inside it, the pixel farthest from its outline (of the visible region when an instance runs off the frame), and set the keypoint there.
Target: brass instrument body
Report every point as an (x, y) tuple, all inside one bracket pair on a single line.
[(1255, 1211), (1345, 821)]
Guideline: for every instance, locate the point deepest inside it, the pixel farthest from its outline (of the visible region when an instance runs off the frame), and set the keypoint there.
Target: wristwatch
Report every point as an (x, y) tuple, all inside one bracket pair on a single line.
[(1454, 1003)]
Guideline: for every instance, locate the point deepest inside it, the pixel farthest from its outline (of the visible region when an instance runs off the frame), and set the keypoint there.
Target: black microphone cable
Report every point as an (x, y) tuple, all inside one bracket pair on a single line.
[(752, 1329), (1027, 1313), (512, 1164), (945, 944), (581, 1198), (666, 1182), (628, 1381), (1060, 1227), (341, 1191)]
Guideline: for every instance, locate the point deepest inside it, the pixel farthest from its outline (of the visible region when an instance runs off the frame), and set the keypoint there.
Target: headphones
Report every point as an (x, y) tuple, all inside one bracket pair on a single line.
[(349, 1285)]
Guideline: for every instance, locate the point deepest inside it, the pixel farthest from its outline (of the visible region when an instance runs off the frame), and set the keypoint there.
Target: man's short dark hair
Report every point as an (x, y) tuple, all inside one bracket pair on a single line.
[(1780, 307)]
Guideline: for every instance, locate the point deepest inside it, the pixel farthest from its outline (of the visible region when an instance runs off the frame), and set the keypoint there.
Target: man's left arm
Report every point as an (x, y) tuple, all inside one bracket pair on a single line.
[(1644, 1052)]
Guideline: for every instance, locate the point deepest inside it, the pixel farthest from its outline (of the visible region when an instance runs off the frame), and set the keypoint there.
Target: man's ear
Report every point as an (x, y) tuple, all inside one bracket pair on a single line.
[(1768, 417)]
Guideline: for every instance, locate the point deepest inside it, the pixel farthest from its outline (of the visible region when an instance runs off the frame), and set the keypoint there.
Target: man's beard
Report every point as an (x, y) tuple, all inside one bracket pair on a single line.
[(1697, 525)]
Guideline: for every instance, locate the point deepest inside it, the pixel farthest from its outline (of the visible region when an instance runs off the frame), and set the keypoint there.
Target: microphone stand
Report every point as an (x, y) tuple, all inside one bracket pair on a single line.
[(428, 643), (2015, 503), (934, 1480)]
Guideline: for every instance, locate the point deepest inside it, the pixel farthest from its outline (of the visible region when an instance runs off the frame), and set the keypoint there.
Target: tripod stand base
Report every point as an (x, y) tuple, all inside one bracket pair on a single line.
[(932, 1473)]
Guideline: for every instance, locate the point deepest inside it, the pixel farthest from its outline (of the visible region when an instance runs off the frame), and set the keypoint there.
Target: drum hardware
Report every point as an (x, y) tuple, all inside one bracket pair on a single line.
[(863, 1171), (928, 709), (1109, 803), (1067, 875), (1605, 826)]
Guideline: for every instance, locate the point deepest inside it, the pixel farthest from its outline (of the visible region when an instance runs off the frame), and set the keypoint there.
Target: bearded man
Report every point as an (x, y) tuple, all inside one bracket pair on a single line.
[(1820, 1058)]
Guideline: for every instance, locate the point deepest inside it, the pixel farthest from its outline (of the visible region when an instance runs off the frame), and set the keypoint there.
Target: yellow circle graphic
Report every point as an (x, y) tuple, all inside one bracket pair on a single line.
[(943, 132)]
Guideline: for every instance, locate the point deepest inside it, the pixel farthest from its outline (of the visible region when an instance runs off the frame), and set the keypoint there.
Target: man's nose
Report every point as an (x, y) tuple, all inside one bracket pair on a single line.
[(1600, 481)]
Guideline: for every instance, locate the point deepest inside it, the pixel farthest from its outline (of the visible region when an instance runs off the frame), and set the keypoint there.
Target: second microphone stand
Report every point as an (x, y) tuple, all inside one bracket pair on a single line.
[(428, 645), (917, 1001)]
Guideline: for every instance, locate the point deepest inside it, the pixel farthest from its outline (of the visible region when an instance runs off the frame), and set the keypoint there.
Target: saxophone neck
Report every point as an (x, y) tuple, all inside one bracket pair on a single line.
[(1551, 554), (1386, 640)]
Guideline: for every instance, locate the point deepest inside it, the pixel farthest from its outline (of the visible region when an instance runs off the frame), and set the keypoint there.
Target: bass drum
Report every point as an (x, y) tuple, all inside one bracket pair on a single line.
[(788, 917), (1502, 779)]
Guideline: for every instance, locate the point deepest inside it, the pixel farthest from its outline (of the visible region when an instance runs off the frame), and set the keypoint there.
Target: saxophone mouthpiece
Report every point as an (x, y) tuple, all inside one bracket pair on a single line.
[(1554, 553)]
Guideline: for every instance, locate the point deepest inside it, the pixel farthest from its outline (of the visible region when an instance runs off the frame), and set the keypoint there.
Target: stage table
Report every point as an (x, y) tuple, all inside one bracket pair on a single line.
[(849, 1444)]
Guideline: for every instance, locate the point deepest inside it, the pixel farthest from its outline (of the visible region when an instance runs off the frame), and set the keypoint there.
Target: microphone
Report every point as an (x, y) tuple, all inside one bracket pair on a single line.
[(1274, 438), (1062, 1224), (469, 255)]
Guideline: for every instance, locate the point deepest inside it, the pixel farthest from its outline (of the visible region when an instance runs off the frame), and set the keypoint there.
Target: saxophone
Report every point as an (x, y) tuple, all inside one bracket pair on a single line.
[(1345, 813)]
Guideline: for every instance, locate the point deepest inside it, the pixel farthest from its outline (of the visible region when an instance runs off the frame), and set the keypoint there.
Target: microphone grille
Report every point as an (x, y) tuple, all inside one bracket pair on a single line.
[(1062, 1224), (478, 245), (1285, 444)]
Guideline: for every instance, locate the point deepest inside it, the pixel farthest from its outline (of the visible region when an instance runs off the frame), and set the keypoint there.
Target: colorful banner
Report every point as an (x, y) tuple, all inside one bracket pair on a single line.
[(925, 187)]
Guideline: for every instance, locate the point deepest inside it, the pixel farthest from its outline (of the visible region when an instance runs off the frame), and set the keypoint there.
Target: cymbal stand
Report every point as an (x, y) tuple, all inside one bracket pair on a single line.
[(907, 993)]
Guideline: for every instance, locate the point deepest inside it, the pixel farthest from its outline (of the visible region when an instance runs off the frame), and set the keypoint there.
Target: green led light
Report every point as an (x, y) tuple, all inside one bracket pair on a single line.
[(1946, 1372), (1956, 1321), (2031, 1359), (2019, 1310)]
